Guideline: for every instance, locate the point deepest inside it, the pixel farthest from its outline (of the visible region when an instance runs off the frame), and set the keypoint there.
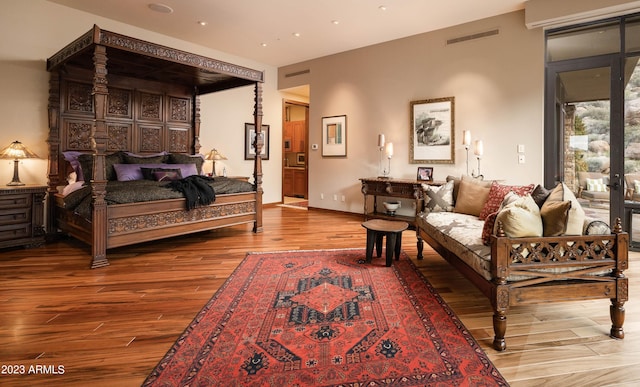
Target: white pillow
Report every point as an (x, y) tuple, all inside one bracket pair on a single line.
[(72, 187), (596, 185), (521, 218)]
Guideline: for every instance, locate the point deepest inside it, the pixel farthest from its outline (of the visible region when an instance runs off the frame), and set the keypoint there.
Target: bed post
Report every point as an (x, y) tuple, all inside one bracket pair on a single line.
[(257, 170), (54, 149), (99, 138), (196, 122)]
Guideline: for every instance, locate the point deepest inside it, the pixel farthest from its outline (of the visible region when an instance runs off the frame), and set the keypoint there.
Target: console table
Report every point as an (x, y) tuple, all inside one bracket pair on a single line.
[(395, 188)]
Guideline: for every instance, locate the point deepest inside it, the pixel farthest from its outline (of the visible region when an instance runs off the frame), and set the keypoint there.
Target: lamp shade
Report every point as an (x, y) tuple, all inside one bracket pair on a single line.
[(389, 149), (479, 148), (15, 151), (214, 155), (466, 138)]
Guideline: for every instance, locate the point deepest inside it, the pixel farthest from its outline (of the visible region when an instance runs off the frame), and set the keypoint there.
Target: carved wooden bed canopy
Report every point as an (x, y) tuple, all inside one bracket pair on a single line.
[(109, 92)]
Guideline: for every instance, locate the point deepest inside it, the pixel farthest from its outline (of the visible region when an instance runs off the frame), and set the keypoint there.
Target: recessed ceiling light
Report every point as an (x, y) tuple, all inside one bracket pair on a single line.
[(162, 8), (202, 23), (382, 8), (296, 34), (336, 22), (263, 44)]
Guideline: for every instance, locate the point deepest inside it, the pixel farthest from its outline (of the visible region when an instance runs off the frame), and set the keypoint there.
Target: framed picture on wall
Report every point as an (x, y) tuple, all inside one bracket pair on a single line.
[(425, 174), (334, 136), (431, 132), (250, 137)]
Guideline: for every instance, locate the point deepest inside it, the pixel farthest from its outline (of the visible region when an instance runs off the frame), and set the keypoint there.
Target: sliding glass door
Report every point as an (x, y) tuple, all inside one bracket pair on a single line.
[(589, 98)]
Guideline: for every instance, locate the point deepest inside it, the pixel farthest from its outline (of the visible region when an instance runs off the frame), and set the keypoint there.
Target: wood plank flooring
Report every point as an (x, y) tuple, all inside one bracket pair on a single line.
[(111, 326)]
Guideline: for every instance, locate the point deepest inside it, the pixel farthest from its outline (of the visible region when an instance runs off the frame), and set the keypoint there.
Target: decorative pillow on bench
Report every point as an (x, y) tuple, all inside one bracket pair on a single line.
[(497, 194), (520, 217), (438, 199), (561, 213), (472, 195)]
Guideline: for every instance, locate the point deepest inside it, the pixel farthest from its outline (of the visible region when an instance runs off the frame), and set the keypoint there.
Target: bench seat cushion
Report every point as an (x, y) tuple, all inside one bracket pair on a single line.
[(462, 235)]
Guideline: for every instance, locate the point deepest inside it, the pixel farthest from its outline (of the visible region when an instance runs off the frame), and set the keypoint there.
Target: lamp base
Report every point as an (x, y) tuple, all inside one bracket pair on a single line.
[(16, 179)]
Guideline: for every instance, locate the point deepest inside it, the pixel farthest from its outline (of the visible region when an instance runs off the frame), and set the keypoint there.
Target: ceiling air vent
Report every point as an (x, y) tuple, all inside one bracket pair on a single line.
[(307, 71), (473, 36)]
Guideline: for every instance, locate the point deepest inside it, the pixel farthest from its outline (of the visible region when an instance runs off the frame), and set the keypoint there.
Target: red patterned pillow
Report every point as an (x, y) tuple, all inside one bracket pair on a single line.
[(497, 194), (487, 229)]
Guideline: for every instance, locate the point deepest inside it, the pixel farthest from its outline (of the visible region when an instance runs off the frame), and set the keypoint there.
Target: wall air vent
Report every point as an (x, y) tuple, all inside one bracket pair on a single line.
[(295, 74), (473, 36)]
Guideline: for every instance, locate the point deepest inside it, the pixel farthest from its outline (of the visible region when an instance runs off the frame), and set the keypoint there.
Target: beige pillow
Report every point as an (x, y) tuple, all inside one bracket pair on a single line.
[(521, 218), (575, 217), (471, 197)]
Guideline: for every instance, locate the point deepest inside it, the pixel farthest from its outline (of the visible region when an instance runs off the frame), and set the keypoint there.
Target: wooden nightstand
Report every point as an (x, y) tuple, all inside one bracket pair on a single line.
[(22, 215)]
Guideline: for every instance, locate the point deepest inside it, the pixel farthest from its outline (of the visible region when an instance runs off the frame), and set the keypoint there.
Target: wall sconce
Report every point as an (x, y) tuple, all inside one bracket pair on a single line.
[(466, 142), (213, 156), (389, 152), (478, 150), (380, 148), (16, 151)]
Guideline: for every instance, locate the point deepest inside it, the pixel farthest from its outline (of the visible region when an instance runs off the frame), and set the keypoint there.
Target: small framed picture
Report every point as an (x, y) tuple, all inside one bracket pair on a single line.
[(300, 159), (334, 136), (425, 174), (250, 138)]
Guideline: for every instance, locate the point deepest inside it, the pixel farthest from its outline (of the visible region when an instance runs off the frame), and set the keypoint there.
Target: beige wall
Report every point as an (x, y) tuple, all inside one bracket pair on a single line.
[(33, 30), (497, 83), (554, 13)]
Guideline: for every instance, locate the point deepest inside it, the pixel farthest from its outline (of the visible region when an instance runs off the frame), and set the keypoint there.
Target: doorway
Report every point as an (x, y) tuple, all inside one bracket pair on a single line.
[(592, 110), (295, 166)]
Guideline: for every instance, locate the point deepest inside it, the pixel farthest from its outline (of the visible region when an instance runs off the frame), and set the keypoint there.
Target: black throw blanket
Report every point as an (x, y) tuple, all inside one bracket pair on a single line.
[(195, 189)]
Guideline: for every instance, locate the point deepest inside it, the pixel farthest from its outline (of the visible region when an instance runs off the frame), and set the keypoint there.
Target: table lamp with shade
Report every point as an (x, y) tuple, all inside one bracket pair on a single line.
[(17, 152), (213, 156)]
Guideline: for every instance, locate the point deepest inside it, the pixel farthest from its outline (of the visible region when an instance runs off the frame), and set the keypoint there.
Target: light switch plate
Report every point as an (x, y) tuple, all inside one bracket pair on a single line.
[(520, 148)]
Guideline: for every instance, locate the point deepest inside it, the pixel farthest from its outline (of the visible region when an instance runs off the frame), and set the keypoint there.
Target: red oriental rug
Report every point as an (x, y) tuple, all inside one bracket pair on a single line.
[(320, 318)]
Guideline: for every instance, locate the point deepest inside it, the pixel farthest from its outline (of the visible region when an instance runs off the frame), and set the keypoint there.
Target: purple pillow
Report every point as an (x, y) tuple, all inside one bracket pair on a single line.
[(72, 158), (128, 172)]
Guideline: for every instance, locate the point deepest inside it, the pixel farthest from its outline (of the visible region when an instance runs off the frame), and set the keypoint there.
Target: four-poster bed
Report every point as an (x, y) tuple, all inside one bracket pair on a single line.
[(116, 100)]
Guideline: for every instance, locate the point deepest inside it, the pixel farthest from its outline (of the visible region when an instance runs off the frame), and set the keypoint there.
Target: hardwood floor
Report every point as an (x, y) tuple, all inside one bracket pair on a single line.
[(111, 326)]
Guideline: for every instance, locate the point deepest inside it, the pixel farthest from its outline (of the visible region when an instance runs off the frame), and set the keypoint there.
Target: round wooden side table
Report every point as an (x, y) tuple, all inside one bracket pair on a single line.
[(377, 229)]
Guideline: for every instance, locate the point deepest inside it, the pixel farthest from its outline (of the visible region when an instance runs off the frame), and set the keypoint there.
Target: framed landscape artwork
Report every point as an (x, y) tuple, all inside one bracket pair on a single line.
[(334, 136), (431, 133)]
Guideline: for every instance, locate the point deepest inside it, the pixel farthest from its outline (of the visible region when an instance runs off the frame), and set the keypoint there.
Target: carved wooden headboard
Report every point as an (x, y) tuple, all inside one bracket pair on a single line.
[(138, 119)]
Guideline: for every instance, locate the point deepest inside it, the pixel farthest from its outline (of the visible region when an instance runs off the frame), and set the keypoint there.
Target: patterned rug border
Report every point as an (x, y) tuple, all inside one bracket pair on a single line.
[(471, 341)]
